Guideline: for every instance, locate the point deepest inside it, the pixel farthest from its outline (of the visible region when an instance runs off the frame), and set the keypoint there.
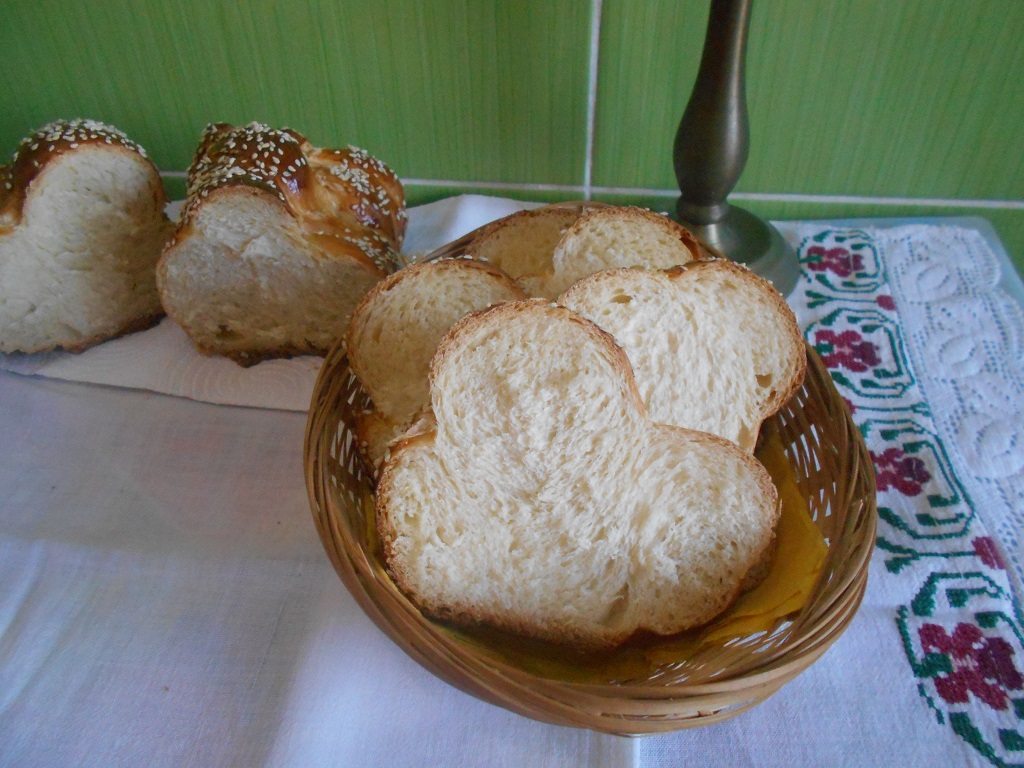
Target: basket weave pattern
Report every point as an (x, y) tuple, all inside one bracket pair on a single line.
[(833, 471)]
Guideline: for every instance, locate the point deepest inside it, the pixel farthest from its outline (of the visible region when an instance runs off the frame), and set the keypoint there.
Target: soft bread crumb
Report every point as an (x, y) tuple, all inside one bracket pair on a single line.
[(522, 244), (713, 346), (396, 329), (612, 237), (244, 284)]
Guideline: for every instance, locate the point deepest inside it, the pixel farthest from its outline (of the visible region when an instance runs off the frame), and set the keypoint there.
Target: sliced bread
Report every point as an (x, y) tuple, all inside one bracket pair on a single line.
[(394, 333), (713, 346), (538, 496), (610, 237), (548, 249), (523, 243)]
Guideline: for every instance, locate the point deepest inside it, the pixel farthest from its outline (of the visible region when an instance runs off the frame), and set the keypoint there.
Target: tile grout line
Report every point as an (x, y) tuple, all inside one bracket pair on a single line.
[(595, 44), (780, 197), (944, 202)]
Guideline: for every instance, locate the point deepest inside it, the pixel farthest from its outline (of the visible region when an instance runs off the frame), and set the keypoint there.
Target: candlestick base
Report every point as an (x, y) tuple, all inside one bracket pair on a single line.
[(749, 240)]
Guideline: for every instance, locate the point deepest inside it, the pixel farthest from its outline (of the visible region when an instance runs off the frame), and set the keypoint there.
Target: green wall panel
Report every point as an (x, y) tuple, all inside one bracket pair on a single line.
[(441, 89), (861, 97), (869, 98)]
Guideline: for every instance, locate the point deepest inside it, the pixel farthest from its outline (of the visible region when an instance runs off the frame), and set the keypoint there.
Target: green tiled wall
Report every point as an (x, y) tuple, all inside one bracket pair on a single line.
[(912, 107), (441, 90), (911, 99)]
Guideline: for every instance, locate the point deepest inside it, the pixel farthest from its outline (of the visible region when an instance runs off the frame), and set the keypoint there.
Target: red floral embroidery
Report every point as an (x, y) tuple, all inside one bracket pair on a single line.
[(987, 551), (846, 350), (886, 302), (838, 261), (894, 469), (978, 664)]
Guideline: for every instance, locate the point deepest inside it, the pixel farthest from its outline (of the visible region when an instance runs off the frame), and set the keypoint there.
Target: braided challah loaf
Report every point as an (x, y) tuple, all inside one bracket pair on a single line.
[(278, 242), (81, 228)]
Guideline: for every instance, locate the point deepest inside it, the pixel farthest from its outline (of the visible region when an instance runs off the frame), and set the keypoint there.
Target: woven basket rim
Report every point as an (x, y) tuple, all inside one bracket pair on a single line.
[(632, 706)]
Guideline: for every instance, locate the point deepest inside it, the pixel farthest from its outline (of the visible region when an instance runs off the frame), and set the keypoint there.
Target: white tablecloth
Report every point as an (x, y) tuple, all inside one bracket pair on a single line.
[(165, 600)]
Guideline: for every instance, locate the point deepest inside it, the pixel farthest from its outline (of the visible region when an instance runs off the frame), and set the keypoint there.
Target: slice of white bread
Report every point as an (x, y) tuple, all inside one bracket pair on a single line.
[(548, 249), (610, 237), (713, 346), (539, 497), (523, 243), (278, 242), (395, 331), (81, 228)]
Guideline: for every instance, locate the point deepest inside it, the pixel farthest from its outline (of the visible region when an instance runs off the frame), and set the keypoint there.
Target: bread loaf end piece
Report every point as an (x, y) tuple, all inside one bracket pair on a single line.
[(82, 225), (278, 242)]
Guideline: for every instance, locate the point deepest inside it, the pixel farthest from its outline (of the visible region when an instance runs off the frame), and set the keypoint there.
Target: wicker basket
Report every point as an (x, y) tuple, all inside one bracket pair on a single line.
[(625, 692)]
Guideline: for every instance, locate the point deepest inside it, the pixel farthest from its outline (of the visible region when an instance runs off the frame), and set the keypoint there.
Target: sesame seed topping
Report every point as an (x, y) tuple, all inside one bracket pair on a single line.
[(286, 164)]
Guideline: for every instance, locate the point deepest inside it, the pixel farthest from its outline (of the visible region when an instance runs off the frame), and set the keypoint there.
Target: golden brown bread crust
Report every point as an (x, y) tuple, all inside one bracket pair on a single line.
[(48, 143), (341, 208), (380, 203), (340, 197), (35, 157), (760, 570)]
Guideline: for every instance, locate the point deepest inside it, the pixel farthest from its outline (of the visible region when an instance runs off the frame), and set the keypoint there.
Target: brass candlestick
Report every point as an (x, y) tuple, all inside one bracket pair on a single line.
[(711, 149)]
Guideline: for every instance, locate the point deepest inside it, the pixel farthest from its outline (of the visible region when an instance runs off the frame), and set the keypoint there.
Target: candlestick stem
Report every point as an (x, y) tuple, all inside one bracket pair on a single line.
[(711, 148)]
